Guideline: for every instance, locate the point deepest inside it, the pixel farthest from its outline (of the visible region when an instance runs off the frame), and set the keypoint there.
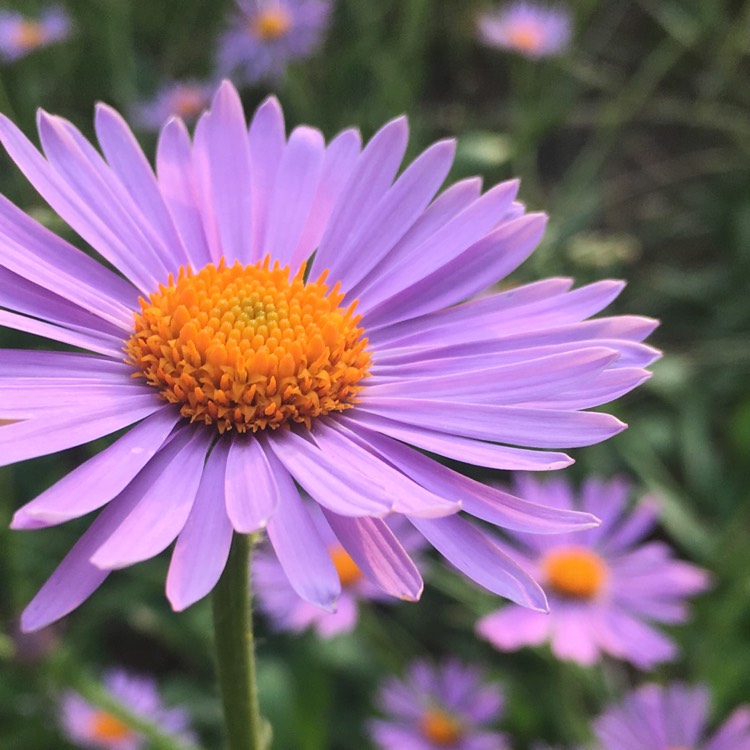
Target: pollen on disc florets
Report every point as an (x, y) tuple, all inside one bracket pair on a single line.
[(248, 348)]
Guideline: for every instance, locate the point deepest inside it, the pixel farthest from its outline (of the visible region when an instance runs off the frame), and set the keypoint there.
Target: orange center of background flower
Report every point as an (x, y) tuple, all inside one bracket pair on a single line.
[(188, 102), (525, 38), (349, 572), (29, 34), (575, 572), (271, 24), (248, 348), (440, 727), (104, 726)]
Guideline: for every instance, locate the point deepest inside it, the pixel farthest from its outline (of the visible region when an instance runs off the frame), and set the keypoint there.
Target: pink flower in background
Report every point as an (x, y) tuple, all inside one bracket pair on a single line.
[(438, 707), (605, 585), (287, 611), (285, 313), (265, 35), (184, 99), (20, 35), (530, 29), (89, 726), (672, 717)]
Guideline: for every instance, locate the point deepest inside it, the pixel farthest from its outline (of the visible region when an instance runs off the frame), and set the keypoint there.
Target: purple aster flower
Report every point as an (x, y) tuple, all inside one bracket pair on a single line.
[(92, 727), (184, 99), (673, 717), (285, 313), (20, 35), (267, 34), (285, 608), (527, 28), (605, 585), (448, 706)]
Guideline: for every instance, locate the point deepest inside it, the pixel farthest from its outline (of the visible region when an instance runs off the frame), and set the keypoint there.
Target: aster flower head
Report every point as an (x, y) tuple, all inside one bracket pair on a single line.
[(265, 35), (450, 705), (184, 99), (606, 586), (289, 314), (671, 717), (530, 29), (20, 34), (288, 611), (88, 726)]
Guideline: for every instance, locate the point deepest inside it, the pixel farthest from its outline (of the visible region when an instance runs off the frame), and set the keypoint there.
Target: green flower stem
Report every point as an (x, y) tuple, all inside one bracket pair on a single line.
[(235, 651)]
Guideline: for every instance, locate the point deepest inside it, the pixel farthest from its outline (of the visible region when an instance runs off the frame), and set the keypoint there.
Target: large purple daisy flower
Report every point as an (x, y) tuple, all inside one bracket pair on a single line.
[(92, 727), (265, 35), (301, 321), (605, 585), (674, 717), (434, 707)]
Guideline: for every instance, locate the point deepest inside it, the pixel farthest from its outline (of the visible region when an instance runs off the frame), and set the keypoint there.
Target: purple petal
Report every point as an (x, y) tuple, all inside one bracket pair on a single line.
[(128, 162), (338, 162), (370, 179), (267, 138), (165, 491), (252, 492), (202, 547), (177, 185), (474, 554), (295, 187), (300, 549), (467, 450), (394, 214), (539, 428), (228, 151), (95, 482), (378, 554), (68, 428), (32, 251), (512, 627)]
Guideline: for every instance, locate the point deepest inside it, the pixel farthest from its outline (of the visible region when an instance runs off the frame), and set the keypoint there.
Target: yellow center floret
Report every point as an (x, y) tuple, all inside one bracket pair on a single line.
[(271, 24), (348, 570), (104, 726), (249, 348), (440, 727), (29, 34), (576, 572)]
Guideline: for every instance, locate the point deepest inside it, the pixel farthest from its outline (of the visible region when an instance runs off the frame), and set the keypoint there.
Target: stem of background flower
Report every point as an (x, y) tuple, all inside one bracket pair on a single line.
[(235, 651)]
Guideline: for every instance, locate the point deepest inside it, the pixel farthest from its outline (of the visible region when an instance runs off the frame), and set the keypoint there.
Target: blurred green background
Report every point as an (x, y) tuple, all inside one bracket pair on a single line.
[(637, 144)]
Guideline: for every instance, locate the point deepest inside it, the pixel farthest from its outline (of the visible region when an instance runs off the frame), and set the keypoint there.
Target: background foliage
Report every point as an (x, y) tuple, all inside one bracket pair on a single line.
[(637, 143)]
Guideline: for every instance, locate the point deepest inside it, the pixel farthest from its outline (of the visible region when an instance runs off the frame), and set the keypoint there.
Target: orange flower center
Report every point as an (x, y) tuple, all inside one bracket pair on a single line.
[(29, 34), (104, 726), (249, 348), (440, 727), (525, 38), (349, 572), (575, 572), (271, 24)]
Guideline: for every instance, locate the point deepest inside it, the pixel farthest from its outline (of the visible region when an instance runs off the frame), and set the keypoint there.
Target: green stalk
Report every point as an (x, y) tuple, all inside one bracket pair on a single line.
[(235, 651)]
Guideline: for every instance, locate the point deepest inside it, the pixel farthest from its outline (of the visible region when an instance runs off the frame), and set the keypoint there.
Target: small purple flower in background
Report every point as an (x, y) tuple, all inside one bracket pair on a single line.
[(288, 611), (183, 99), (673, 717), (267, 34), (438, 707), (20, 34), (604, 585), (527, 28), (93, 727)]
